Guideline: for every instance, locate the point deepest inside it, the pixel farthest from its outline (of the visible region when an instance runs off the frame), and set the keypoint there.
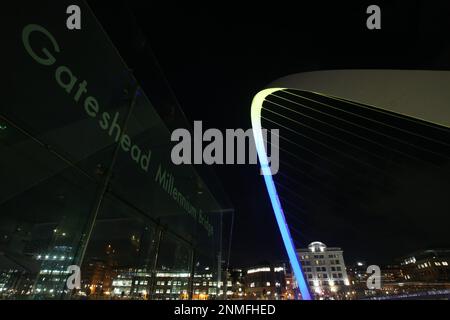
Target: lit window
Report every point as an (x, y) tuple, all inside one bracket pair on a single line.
[(278, 269), (265, 269)]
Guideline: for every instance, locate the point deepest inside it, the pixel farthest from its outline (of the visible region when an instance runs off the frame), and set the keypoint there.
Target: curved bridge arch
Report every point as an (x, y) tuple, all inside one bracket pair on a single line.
[(424, 95)]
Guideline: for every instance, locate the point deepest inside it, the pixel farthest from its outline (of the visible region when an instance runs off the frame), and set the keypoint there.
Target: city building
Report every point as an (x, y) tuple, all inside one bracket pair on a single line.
[(237, 278), (390, 279), (357, 277), (324, 269), (165, 285), (265, 282), (420, 275), (427, 266), (97, 279)]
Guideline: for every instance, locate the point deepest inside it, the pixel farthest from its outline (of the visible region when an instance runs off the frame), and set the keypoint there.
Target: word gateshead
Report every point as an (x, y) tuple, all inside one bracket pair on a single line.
[(66, 79)]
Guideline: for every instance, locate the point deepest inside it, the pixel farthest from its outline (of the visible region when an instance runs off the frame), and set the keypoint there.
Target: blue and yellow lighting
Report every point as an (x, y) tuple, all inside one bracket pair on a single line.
[(257, 105)]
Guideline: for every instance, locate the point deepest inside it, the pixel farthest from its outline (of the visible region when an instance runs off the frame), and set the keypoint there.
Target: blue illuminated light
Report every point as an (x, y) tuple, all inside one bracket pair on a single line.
[(276, 205)]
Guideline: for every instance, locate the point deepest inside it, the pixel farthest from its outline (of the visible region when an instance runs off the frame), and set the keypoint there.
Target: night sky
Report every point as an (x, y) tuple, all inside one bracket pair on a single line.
[(217, 57)]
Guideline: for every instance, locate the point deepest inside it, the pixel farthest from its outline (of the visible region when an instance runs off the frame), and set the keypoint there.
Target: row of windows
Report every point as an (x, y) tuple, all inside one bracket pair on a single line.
[(428, 264), (318, 256), (321, 262), (267, 284), (211, 284), (325, 283), (170, 283), (336, 268), (179, 283), (168, 291), (325, 276), (323, 269)]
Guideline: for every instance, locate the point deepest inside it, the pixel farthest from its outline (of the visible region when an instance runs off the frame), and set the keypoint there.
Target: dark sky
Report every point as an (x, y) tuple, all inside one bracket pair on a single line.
[(216, 57)]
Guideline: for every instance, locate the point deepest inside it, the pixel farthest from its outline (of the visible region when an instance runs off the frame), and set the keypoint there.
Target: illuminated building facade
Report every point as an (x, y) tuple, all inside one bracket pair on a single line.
[(51, 280), (237, 281), (165, 285), (428, 266), (324, 269), (265, 282), (391, 280)]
